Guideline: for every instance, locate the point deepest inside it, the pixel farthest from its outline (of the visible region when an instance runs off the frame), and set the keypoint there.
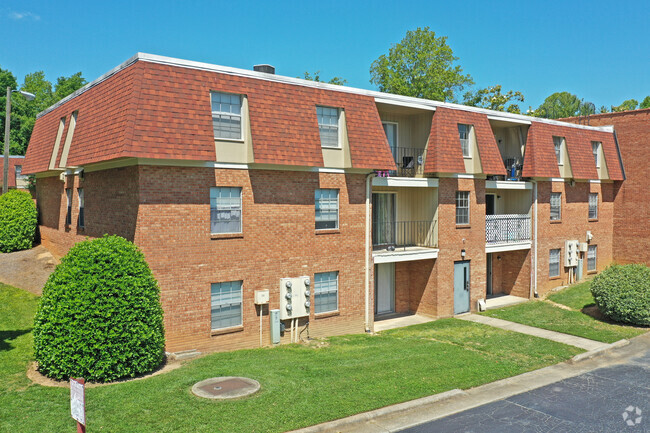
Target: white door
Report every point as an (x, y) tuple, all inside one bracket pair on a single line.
[(384, 288)]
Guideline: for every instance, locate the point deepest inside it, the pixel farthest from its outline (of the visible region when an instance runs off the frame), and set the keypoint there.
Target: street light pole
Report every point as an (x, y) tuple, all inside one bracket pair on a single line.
[(5, 171)]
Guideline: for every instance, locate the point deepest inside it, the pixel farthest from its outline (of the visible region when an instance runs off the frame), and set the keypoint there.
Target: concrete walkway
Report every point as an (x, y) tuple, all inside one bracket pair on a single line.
[(28, 269), (400, 322), (571, 340)]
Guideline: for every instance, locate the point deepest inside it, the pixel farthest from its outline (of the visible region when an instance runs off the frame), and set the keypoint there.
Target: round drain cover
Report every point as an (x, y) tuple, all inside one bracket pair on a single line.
[(226, 387)]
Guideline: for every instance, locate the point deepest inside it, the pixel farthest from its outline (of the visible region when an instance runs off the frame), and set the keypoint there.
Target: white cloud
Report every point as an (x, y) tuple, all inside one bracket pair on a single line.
[(23, 16)]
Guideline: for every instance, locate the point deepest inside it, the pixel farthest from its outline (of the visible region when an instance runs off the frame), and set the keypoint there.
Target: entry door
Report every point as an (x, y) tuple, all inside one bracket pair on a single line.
[(461, 287), (489, 204), (488, 286), (383, 218), (384, 288)]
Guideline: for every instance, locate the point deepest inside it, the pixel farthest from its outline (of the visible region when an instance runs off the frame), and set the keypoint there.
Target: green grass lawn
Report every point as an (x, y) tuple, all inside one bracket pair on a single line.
[(301, 385), (577, 296), (544, 315)]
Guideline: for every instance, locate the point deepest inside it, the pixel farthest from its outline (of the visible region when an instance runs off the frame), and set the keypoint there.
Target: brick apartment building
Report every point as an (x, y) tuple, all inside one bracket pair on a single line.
[(16, 178), (231, 181), (632, 204)]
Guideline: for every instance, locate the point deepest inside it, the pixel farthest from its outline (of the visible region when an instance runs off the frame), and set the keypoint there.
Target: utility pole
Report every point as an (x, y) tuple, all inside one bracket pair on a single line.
[(5, 171)]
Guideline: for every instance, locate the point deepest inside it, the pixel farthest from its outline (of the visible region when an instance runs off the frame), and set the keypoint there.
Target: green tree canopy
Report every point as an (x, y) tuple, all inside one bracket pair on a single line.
[(492, 98), (316, 77), (563, 104), (645, 103), (629, 104), (421, 65)]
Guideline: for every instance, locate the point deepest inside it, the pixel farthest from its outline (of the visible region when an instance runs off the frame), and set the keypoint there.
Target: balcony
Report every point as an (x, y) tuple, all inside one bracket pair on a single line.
[(507, 232), (409, 161), (403, 241)]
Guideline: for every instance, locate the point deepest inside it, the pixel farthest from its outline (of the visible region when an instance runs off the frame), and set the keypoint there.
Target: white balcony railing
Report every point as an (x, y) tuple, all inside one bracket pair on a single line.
[(503, 229)]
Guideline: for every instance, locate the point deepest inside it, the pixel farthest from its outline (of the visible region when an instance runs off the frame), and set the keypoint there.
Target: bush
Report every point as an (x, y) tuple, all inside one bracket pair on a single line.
[(622, 293), (17, 221), (100, 316)]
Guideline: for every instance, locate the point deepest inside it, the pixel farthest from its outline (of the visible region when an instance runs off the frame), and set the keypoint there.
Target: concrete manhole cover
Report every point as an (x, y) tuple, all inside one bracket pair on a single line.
[(226, 387)]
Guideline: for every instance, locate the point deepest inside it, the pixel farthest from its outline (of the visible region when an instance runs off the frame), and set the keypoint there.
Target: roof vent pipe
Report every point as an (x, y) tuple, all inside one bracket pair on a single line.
[(264, 68)]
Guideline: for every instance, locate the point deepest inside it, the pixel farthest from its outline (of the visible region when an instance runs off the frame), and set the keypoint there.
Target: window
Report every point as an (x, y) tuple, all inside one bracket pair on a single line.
[(225, 210), (326, 292), (462, 207), (225, 304), (390, 128), (595, 148), (226, 116), (19, 173), (557, 142), (328, 126), (556, 206), (327, 209), (593, 206), (554, 263), (463, 132), (81, 219), (68, 215), (591, 257)]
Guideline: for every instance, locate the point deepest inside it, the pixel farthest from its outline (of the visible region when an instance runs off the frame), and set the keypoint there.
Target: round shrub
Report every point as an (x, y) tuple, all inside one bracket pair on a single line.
[(100, 316), (622, 293), (17, 221)]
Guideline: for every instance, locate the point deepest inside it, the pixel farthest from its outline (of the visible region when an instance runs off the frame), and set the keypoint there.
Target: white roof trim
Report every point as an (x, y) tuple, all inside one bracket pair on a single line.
[(422, 105), (386, 97), (507, 119), (507, 184), (426, 182)]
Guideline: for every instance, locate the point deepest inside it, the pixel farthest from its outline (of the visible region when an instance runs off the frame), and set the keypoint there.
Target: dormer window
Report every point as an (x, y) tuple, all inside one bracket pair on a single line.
[(226, 116), (463, 133), (595, 148), (557, 143), (328, 126)]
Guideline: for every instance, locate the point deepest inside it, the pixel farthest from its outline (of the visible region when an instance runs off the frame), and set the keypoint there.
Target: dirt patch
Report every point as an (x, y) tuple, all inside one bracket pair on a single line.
[(28, 269), (38, 378)]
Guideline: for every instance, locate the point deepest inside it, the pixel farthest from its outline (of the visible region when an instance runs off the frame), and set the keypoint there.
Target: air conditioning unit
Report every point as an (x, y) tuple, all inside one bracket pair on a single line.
[(571, 253)]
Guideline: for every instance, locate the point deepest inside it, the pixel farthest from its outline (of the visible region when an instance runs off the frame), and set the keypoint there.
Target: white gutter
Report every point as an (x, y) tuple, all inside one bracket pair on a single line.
[(368, 255)]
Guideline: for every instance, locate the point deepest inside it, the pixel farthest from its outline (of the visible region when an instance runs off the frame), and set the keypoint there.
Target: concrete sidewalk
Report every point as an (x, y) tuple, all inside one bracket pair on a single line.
[(415, 412), (559, 337)]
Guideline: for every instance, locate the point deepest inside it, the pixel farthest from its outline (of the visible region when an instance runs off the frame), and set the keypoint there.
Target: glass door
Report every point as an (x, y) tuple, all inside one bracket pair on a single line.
[(383, 219)]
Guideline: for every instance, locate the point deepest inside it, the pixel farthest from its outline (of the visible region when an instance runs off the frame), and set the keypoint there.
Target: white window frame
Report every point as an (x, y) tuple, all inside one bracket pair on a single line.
[(320, 115), (316, 208), (595, 149), (552, 262), (214, 209), (320, 291), (558, 146), (558, 196), (593, 206), (223, 304), (465, 143), (458, 200), (81, 218), (222, 114), (592, 256)]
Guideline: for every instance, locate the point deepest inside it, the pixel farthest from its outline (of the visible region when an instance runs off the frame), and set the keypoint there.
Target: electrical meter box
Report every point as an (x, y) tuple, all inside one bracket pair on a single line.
[(583, 247), (571, 253), (261, 297), (294, 297)]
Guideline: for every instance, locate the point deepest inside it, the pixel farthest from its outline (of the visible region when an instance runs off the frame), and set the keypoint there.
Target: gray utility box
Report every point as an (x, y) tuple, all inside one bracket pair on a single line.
[(275, 326)]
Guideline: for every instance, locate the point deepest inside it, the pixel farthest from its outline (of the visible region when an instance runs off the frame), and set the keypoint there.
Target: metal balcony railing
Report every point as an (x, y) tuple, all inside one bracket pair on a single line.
[(503, 229), (409, 160), (402, 234)]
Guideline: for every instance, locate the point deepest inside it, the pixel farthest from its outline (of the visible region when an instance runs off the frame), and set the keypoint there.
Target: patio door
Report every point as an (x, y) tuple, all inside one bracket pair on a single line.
[(384, 288), (461, 287), (383, 219)]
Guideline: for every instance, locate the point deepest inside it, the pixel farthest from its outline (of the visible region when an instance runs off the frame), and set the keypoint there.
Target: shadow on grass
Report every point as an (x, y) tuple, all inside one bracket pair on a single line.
[(7, 336), (592, 310)]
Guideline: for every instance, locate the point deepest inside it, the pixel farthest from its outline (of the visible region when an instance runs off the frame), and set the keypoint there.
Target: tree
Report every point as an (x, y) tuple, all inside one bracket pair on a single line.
[(66, 85), (603, 109), (492, 98), (563, 104), (629, 104), (421, 65), (316, 77), (645, 103), (7, 79)]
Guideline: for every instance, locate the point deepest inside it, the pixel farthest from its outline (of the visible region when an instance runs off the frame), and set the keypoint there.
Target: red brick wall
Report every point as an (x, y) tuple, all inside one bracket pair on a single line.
[(574, 224), (415, 287), (511, 273), (632, 197)]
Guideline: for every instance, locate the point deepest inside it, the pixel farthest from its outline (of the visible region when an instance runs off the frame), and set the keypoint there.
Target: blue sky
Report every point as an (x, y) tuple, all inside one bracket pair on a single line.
[(599, 50)]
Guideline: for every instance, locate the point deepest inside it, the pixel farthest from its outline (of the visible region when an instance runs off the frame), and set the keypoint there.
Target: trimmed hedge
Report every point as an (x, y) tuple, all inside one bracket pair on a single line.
[(622, 293), (100, 316), (18, 219)]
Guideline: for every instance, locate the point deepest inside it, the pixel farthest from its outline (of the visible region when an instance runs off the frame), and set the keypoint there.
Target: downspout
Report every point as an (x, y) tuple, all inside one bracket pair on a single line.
[(368, 256), (534, 270)]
